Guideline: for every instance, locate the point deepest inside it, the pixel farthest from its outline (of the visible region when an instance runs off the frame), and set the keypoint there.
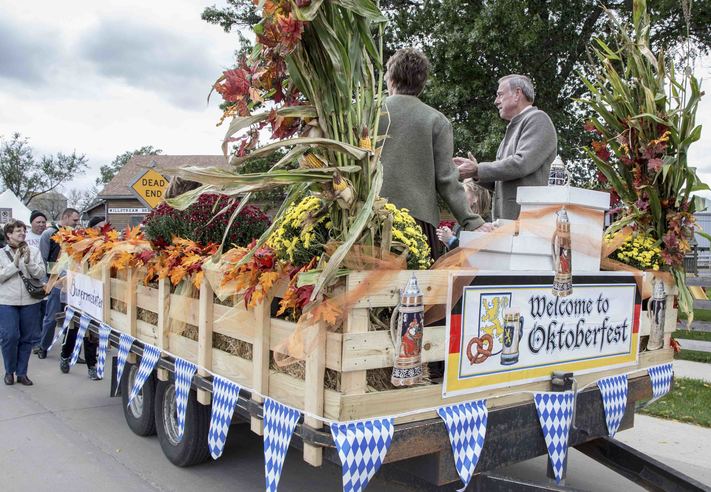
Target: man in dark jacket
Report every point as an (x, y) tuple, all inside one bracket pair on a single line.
[(525, 155), (417, 151), (50, 253)]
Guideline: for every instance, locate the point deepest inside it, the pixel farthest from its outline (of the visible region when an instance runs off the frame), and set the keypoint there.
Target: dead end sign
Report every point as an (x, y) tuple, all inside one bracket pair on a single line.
[(149, 187)]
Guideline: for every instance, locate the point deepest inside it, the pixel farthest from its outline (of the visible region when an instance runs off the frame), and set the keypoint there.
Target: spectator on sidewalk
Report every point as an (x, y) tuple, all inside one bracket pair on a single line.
[(19, 311), (38, 223)]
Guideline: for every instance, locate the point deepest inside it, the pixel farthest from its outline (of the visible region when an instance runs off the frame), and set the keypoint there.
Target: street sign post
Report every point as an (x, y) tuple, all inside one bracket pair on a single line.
[(149, 187)]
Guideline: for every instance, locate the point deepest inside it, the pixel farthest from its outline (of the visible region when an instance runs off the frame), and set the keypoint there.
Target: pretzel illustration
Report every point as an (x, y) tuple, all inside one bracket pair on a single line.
[(481, 353)]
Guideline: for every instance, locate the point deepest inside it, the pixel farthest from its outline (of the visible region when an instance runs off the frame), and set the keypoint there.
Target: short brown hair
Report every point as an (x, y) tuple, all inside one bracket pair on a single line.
[(10, 227), (408, 69), (68, 212)]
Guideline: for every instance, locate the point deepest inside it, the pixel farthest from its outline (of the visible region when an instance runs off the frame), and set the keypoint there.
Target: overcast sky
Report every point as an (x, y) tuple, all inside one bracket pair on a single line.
[(110, 76)]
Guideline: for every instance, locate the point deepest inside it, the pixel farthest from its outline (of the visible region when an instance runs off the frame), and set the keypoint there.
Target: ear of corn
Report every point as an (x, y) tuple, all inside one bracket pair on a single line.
[(311, 161)]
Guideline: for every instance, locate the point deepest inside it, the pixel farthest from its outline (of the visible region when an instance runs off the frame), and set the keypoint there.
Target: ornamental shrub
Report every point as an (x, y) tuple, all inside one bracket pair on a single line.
[(200, 222)]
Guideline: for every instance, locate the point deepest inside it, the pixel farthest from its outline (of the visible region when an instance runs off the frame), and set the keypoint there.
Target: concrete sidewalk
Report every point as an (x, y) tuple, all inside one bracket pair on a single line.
[(699, 345), (692, 370)]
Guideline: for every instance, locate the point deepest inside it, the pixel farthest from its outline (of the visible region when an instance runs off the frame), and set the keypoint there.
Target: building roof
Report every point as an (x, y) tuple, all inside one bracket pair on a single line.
[(118, 187)]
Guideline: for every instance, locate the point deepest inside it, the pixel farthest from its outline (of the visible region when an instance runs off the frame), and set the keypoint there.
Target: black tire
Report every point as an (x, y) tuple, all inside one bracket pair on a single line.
[(193, 447), (140, 415)]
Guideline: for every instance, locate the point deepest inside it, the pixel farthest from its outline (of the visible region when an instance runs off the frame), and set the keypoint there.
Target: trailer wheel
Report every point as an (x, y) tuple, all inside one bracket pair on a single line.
[(193, 447), (140, 414)]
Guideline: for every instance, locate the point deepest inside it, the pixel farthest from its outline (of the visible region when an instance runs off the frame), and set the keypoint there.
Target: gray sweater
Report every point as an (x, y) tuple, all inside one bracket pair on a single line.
[(417, 162), (523, 159)]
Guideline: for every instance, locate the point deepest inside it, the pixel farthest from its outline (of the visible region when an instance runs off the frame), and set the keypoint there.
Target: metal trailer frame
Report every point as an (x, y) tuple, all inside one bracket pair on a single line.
[(422, 449)]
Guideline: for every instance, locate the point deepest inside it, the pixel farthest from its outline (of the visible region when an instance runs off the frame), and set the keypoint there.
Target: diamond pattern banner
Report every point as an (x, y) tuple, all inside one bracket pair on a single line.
[(149, 359), (362, 447), (466, 425), (184, 372), (614, 400), (661, 377), (224, 399), (125, 342), (79, 341), (279, 424), (555, 412), (104, 332), (68, 316)]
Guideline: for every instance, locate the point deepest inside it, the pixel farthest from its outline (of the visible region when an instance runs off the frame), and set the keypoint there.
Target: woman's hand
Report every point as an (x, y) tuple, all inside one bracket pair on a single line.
[(445, 234)]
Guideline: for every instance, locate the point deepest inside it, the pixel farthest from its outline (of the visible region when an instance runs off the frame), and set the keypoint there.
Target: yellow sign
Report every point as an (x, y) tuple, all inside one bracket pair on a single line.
[(150, 188)]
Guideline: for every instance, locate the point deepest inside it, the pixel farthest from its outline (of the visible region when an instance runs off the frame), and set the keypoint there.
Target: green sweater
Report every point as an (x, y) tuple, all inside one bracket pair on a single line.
[(417, 162)]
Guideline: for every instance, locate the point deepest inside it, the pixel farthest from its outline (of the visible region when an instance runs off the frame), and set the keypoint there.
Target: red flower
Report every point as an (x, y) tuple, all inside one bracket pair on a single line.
[(655, 165), (601, 150), (235, 86)]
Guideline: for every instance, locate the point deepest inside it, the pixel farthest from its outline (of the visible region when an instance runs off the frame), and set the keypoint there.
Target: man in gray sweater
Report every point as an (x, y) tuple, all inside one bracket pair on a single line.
[(525, 155), (417, 151)]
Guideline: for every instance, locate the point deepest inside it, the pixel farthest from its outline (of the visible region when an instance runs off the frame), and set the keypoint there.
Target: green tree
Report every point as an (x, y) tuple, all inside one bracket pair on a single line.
[(472, 44), (28, 178), (108, 171)]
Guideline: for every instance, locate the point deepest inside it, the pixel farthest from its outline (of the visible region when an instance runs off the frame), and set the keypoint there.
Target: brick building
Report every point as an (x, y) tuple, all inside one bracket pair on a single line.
[(120, 205)]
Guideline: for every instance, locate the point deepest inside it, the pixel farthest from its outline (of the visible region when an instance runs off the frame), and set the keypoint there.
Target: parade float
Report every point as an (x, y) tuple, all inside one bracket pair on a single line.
[(324, 323)]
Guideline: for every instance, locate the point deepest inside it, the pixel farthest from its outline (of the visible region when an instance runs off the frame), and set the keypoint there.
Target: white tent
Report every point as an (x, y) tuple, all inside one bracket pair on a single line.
[(12, 207)]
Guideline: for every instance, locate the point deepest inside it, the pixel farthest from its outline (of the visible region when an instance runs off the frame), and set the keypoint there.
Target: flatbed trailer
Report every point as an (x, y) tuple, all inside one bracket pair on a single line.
[(420, 446)]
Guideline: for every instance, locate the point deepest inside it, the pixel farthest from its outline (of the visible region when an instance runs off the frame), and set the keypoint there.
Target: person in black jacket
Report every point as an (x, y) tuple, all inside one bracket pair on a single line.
[(50, 253)]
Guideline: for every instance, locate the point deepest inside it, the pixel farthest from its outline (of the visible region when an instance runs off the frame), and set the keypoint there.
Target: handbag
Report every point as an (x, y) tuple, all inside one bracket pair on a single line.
[(35, 288)]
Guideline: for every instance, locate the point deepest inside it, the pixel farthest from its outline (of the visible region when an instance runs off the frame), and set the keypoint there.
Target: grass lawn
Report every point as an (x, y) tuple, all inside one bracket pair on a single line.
[(699, 315), (692, 335), (694, 356), (689, 401)]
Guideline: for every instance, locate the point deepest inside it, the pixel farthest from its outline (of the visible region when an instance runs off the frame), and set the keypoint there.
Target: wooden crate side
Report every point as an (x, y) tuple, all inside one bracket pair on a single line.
[(375, 349), (403, 400), (290, 391), (227, 365), (184, 309), (163, 327), (236, 322), (313, 387), (206, 317), (282, 330), (355, 382), (118, 289), (260, 357), (384, 287), (147, 298)]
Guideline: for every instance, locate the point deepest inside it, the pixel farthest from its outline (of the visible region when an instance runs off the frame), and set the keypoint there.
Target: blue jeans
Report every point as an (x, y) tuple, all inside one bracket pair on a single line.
[(19, 332), (54, 305)]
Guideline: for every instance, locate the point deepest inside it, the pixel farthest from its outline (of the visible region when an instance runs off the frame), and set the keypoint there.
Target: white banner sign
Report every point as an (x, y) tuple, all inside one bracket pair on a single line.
[(509, 330), (128, 210), (86, 294)]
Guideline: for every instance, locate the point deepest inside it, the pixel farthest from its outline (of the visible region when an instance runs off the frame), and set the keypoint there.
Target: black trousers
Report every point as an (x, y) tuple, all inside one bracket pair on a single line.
[(91, 346)]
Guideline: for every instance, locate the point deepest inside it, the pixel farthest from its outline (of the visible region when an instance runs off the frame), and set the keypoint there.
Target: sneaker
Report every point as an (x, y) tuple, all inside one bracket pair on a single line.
[(64, 365), (36, 349), (41, 354), (93, 375)]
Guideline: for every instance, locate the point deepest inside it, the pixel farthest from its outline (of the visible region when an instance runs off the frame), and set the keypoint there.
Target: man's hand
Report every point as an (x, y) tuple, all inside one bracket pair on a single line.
[(485, 227), (468, 168), (445, 234)]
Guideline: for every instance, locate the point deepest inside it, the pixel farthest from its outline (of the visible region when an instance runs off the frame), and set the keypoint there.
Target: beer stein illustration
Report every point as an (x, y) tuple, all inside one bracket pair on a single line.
[(558, 175), (657, 312), (513, 332), (562, 256), (406, 332)]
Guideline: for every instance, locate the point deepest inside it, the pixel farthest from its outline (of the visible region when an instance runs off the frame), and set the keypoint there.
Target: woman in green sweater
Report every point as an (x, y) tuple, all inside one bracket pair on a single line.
[(417, 151)]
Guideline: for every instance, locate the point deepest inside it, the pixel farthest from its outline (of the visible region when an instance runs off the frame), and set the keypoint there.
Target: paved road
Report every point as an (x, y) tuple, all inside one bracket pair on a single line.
[(66, 434)]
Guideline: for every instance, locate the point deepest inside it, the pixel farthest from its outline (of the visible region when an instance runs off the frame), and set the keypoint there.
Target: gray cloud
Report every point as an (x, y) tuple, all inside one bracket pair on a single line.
[(26, 54), (143, 56)]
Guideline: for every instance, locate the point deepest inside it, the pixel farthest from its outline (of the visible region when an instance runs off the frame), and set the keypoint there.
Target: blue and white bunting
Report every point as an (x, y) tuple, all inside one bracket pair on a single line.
[(224, 399), (84, 321), (184, 372), (614, 400), (125, 342), (466, 425), (555, 413), (279, 424), (104, 332), (661, 377), (68, 316), (150, 356), (362, 447)]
